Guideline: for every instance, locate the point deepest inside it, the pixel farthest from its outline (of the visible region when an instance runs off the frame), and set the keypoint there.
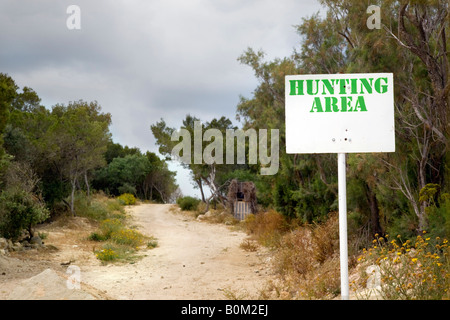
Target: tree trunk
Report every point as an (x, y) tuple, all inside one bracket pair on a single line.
[(375, 226), (72, 197), (30, 231), (200, 186), (160, 193), (87, 184)]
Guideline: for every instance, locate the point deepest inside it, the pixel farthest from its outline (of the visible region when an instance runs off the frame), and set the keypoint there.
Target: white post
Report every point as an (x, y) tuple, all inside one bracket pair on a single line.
[(343, 246)]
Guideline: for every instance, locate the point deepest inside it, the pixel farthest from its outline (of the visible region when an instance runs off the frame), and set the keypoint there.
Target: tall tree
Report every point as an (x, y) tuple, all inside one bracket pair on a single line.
[(76, 141)]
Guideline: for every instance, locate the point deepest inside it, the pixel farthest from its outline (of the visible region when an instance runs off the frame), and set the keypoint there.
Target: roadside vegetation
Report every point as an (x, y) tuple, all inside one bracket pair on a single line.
[(305, 261), (117, 240)]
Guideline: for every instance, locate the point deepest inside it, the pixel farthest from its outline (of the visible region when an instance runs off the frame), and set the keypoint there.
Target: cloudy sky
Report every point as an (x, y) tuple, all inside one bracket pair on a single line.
[(146, 60)]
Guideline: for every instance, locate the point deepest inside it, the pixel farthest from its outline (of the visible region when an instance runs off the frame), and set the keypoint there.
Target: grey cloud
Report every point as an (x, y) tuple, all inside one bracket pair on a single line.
[(145, 60)]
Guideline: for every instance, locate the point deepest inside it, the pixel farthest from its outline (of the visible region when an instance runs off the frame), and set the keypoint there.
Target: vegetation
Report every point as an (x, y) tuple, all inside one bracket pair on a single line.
[(409, 270), (119, 242), (127, 199), (188, 203), (19, 210), (54, 160), (397, 193)]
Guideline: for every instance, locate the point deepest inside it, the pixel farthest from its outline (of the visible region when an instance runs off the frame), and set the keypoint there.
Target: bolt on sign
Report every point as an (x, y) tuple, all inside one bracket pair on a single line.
[(340, 113)]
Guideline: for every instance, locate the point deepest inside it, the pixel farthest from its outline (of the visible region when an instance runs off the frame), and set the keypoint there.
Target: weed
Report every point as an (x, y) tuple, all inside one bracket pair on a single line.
[(152, 242), (128, 237), (126, 199), (410, 269), (107, 255), (248, 245), (267, 227), (95, 236)]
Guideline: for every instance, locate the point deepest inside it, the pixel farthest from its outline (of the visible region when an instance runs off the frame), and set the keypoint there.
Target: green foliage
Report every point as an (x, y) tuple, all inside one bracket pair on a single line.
[(126, 199), (20, 210), (188, 203), (69, 147), (144, 175), (214, 175), (439, 217), (98, 207), (109, 226), (119, 241), (383, 188), (129, 237)]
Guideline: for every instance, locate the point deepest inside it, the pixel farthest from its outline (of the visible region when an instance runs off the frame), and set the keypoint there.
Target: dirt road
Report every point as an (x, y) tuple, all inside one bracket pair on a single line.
[(193, 260)]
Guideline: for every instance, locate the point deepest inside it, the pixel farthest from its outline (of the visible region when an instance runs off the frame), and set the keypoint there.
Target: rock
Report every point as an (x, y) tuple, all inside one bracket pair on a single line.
[(36, 240), (48, 285), (3, 243), (17, 246), (25, 243), (207, 214)]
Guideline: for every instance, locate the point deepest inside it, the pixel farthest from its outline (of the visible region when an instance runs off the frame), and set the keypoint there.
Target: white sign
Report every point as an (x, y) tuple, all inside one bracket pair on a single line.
[(340, 113)]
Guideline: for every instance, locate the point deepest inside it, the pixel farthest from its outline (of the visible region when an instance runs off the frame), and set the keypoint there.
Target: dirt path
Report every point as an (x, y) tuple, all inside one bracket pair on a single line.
[(193, 260)]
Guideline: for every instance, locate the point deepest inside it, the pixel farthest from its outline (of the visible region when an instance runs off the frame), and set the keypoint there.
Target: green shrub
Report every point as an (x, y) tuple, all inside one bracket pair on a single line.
[(152, 243), (95, 236), (20, 210), (109, 226), (188, 203), (127, 199)]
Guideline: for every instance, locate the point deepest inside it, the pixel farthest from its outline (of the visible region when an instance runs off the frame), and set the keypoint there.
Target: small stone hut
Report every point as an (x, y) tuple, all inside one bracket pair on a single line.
[(242, 198)]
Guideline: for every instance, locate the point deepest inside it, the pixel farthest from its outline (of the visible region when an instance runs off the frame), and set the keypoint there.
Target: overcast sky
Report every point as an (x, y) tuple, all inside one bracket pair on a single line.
[(146, 60)]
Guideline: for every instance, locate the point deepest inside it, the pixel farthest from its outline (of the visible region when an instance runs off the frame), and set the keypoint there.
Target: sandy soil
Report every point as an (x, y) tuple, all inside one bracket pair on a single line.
[(193, 260)]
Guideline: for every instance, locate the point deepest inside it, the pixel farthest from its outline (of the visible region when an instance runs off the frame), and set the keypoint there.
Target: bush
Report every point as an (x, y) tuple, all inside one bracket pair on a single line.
[(20, 210), (98, 207), (188, 203), (418, 269), (306, 258), (266, 227), (95, 236), (109, 226), (107, 255), (128, 237), (127, 199)]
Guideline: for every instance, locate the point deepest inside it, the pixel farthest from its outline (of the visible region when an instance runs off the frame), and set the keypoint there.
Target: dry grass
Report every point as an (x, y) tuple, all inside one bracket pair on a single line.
[(249, 245), (266, 227), (306, 261)]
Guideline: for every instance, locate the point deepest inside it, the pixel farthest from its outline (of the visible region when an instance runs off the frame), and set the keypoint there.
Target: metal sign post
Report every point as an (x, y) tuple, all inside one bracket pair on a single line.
[(340, 113), (343, 245)]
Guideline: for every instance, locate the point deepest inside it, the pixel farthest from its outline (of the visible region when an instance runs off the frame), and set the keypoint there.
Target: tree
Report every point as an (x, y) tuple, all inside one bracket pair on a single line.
[(76, 141), (138, 174), (212, 174), (8, 93), (413, 45)]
